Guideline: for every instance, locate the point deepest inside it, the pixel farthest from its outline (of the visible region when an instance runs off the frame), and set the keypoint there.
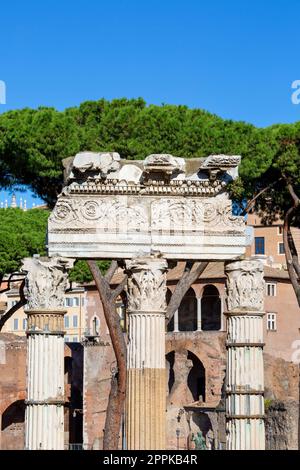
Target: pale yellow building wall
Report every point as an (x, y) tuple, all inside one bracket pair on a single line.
[(71, 332)]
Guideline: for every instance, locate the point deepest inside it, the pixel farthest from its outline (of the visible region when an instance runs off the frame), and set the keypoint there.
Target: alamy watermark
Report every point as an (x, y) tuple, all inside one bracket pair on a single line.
[(2, 92), (296, 94)]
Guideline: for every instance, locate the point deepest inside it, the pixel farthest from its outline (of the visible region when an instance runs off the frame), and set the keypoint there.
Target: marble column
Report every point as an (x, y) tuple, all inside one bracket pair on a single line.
[(199, 319), (46, 281), (176, 321), (245, 367), (146, 379)]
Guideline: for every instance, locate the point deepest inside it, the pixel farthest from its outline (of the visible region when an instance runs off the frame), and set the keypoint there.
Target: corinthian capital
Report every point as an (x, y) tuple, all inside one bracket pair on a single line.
[(147, 284), (46, 282), (245, 285)]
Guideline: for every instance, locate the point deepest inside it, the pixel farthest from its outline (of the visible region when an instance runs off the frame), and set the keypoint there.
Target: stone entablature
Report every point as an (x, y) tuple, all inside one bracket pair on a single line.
[(113, 208)]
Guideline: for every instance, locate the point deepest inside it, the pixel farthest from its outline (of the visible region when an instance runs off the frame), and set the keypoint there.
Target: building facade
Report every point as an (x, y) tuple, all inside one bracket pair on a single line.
[(75, 301)]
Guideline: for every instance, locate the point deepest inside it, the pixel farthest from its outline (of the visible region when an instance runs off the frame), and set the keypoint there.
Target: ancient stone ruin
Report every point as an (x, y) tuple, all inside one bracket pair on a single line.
[(146, 213)]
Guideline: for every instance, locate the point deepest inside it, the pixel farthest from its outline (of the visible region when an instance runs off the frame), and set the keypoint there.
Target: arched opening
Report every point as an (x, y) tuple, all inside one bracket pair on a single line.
[(95, 325), (203, 431), (121, 306), (170, 326), (210, 309), (68, 368), (187, 312), (14, 413), (196, 378), (170, 359)]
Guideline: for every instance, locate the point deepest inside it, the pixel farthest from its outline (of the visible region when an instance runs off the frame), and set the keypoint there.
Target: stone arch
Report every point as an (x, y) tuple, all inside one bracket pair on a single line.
[(187, 312), (186, 377), (14, 413), (170, 326), (196, 378), (170, 359), (13, 426), (202, 427), (68, 364), (210, 309)]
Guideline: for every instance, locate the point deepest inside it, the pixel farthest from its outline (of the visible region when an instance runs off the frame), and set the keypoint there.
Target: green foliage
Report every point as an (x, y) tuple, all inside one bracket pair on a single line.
[(22, 234), (81, 272), (268, 402), (33, 143)]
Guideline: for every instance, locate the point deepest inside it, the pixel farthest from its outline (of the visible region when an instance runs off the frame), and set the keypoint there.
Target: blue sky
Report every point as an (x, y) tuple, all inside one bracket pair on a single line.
[(234, 58)]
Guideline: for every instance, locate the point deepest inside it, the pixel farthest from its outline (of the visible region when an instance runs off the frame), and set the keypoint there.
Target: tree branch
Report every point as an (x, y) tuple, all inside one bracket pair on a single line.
[(117, 395), (250, 204), (294, 195), (119, 289), (16, 307), (10, 280), (190, 275), (111, 271), (288, 255)]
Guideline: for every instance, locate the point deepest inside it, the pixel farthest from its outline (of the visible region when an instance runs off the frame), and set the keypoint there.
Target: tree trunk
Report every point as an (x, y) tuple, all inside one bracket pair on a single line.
[(291, 253), (116, 401)]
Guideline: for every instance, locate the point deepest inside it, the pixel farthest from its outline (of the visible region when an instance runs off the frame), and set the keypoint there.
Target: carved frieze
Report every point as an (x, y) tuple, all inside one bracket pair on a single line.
[(103, 214), (147, 284), (161, 203), (192, 214), (157, 214), (245, 285), (46, 282)]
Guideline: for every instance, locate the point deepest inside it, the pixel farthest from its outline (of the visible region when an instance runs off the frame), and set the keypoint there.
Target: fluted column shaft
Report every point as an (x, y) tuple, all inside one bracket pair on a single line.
[(45, 381), (146, 396), (245, 374), (46, 281)]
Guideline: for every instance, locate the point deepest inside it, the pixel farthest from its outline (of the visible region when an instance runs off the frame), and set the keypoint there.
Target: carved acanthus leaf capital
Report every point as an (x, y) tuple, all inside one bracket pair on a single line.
[(46, 282), (147, 284), (245, 285)]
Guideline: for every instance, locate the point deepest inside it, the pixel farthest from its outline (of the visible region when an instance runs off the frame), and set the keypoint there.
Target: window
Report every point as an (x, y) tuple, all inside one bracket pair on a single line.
[(210, 309), (66, 322), (75, 321), (16, 324), (280, 230), (281, 248), (68, 302), (259, 245), (75, 339), (95, 324), (24, 323), (271, 322), (271, 289), (67, 340), (75, 301), (14, 302)]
